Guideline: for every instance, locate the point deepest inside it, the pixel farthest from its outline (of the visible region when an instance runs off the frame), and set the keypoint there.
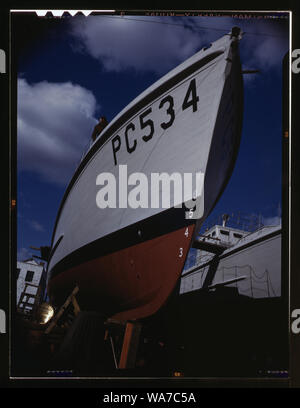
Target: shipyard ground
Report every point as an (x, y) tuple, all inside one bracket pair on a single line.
[(198, 334)]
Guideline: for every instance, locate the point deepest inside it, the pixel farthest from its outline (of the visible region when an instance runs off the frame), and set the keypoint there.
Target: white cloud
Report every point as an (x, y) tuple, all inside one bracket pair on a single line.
[(55, 121), (264, 45), (158, 44), (36, 226), (120, 43), (270, 221), (23, 254)]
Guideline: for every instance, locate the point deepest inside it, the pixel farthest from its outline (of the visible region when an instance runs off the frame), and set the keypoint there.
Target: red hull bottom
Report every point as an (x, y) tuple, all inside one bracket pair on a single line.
[(130, 284)]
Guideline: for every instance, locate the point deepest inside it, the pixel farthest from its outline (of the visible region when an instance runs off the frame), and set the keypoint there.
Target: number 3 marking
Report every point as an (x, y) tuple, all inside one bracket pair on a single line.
[(170, 111)]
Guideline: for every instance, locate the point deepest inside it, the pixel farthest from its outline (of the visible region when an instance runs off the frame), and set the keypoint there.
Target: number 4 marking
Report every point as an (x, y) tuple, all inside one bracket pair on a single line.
[(191, 98), (186, 232)]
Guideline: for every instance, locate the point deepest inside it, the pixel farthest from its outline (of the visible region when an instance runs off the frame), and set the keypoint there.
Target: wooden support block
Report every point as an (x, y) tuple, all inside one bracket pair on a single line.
[(75, 305), (61, 310), (130, 345), (105, 335)]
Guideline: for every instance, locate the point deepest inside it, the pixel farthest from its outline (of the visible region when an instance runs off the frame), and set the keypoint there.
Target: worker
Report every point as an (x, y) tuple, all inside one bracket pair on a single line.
[(99, 127)]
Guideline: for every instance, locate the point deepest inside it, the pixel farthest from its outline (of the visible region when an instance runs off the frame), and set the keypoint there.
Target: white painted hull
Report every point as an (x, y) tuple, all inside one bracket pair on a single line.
[(196, 113)]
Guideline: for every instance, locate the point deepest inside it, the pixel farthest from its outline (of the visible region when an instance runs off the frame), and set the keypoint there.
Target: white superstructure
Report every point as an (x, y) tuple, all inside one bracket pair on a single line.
[(252, 260)]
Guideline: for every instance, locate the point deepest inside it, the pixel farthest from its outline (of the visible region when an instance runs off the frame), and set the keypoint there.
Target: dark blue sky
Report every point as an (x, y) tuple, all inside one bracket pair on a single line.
[(105, 63)]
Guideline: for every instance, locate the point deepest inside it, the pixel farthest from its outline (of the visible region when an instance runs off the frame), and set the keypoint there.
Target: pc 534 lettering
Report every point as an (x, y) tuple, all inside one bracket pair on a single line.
[(132, 133)]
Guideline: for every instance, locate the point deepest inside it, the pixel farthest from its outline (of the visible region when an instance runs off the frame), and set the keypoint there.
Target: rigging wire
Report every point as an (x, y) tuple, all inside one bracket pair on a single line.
[(186, 26)]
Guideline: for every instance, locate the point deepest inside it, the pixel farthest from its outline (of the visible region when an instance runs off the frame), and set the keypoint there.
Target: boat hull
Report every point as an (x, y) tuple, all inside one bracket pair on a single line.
[(126, 261), (131, 283)]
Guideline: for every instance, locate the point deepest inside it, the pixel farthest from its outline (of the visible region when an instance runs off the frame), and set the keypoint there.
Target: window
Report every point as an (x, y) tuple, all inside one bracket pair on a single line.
[(237, 235), (224, 232), (29, 276), (18, 273), (213, 233)]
